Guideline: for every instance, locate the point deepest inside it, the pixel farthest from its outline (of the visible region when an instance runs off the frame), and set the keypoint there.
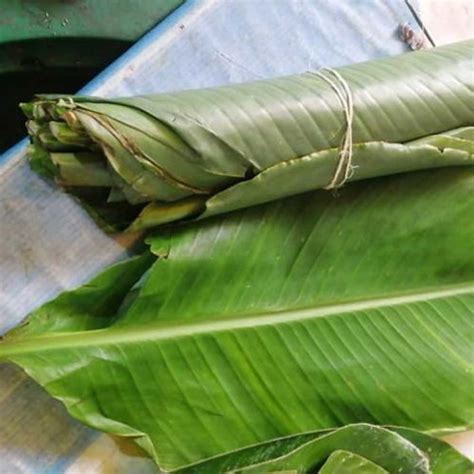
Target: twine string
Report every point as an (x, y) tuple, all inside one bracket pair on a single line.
[(344, 169)]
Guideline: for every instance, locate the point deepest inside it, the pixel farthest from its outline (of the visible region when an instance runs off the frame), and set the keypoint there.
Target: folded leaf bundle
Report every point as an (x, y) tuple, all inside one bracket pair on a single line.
[(352, 449), (296, 316), (149, 160)]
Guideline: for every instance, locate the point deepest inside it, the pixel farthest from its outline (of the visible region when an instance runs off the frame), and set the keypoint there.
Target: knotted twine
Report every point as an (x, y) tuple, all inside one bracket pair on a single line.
[(344, 168)]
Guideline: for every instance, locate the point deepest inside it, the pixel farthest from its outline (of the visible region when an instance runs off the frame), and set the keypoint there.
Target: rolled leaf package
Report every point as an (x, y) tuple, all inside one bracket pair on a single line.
[(140, 162)]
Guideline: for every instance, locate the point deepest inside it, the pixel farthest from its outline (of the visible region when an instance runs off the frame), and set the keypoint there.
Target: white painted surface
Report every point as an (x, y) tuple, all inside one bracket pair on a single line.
[(448, 20)]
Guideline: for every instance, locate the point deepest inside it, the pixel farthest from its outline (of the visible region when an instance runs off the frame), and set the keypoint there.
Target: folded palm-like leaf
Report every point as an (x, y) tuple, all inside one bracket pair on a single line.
[(156, 159), (305, 314), (353, 449)]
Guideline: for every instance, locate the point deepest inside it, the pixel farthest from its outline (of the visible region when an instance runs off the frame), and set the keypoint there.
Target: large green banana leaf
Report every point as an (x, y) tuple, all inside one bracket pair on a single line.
[(301, 315), (161, 158)]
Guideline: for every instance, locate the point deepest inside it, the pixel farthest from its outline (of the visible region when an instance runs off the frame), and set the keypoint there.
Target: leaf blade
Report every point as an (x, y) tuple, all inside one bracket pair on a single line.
[(194, 354)]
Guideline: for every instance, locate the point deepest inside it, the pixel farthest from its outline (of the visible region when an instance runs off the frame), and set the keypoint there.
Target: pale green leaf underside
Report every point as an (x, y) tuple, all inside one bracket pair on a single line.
[(345, 462), (369, 160), (301, 315)]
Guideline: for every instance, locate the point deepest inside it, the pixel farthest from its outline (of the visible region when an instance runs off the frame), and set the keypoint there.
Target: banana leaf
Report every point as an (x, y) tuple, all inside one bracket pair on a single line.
[(302, 315), (359, 448), (345, 462), (145, 161)]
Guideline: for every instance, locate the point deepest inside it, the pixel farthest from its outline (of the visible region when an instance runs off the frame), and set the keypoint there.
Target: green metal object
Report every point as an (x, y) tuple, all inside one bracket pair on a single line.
[(58, 45)]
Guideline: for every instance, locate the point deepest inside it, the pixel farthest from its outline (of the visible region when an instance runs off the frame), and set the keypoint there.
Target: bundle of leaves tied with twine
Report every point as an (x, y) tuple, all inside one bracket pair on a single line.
[(144, 161)]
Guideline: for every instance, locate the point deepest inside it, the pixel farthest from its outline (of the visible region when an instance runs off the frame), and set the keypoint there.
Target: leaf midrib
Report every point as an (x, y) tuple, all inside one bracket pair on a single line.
[(115, 335)]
